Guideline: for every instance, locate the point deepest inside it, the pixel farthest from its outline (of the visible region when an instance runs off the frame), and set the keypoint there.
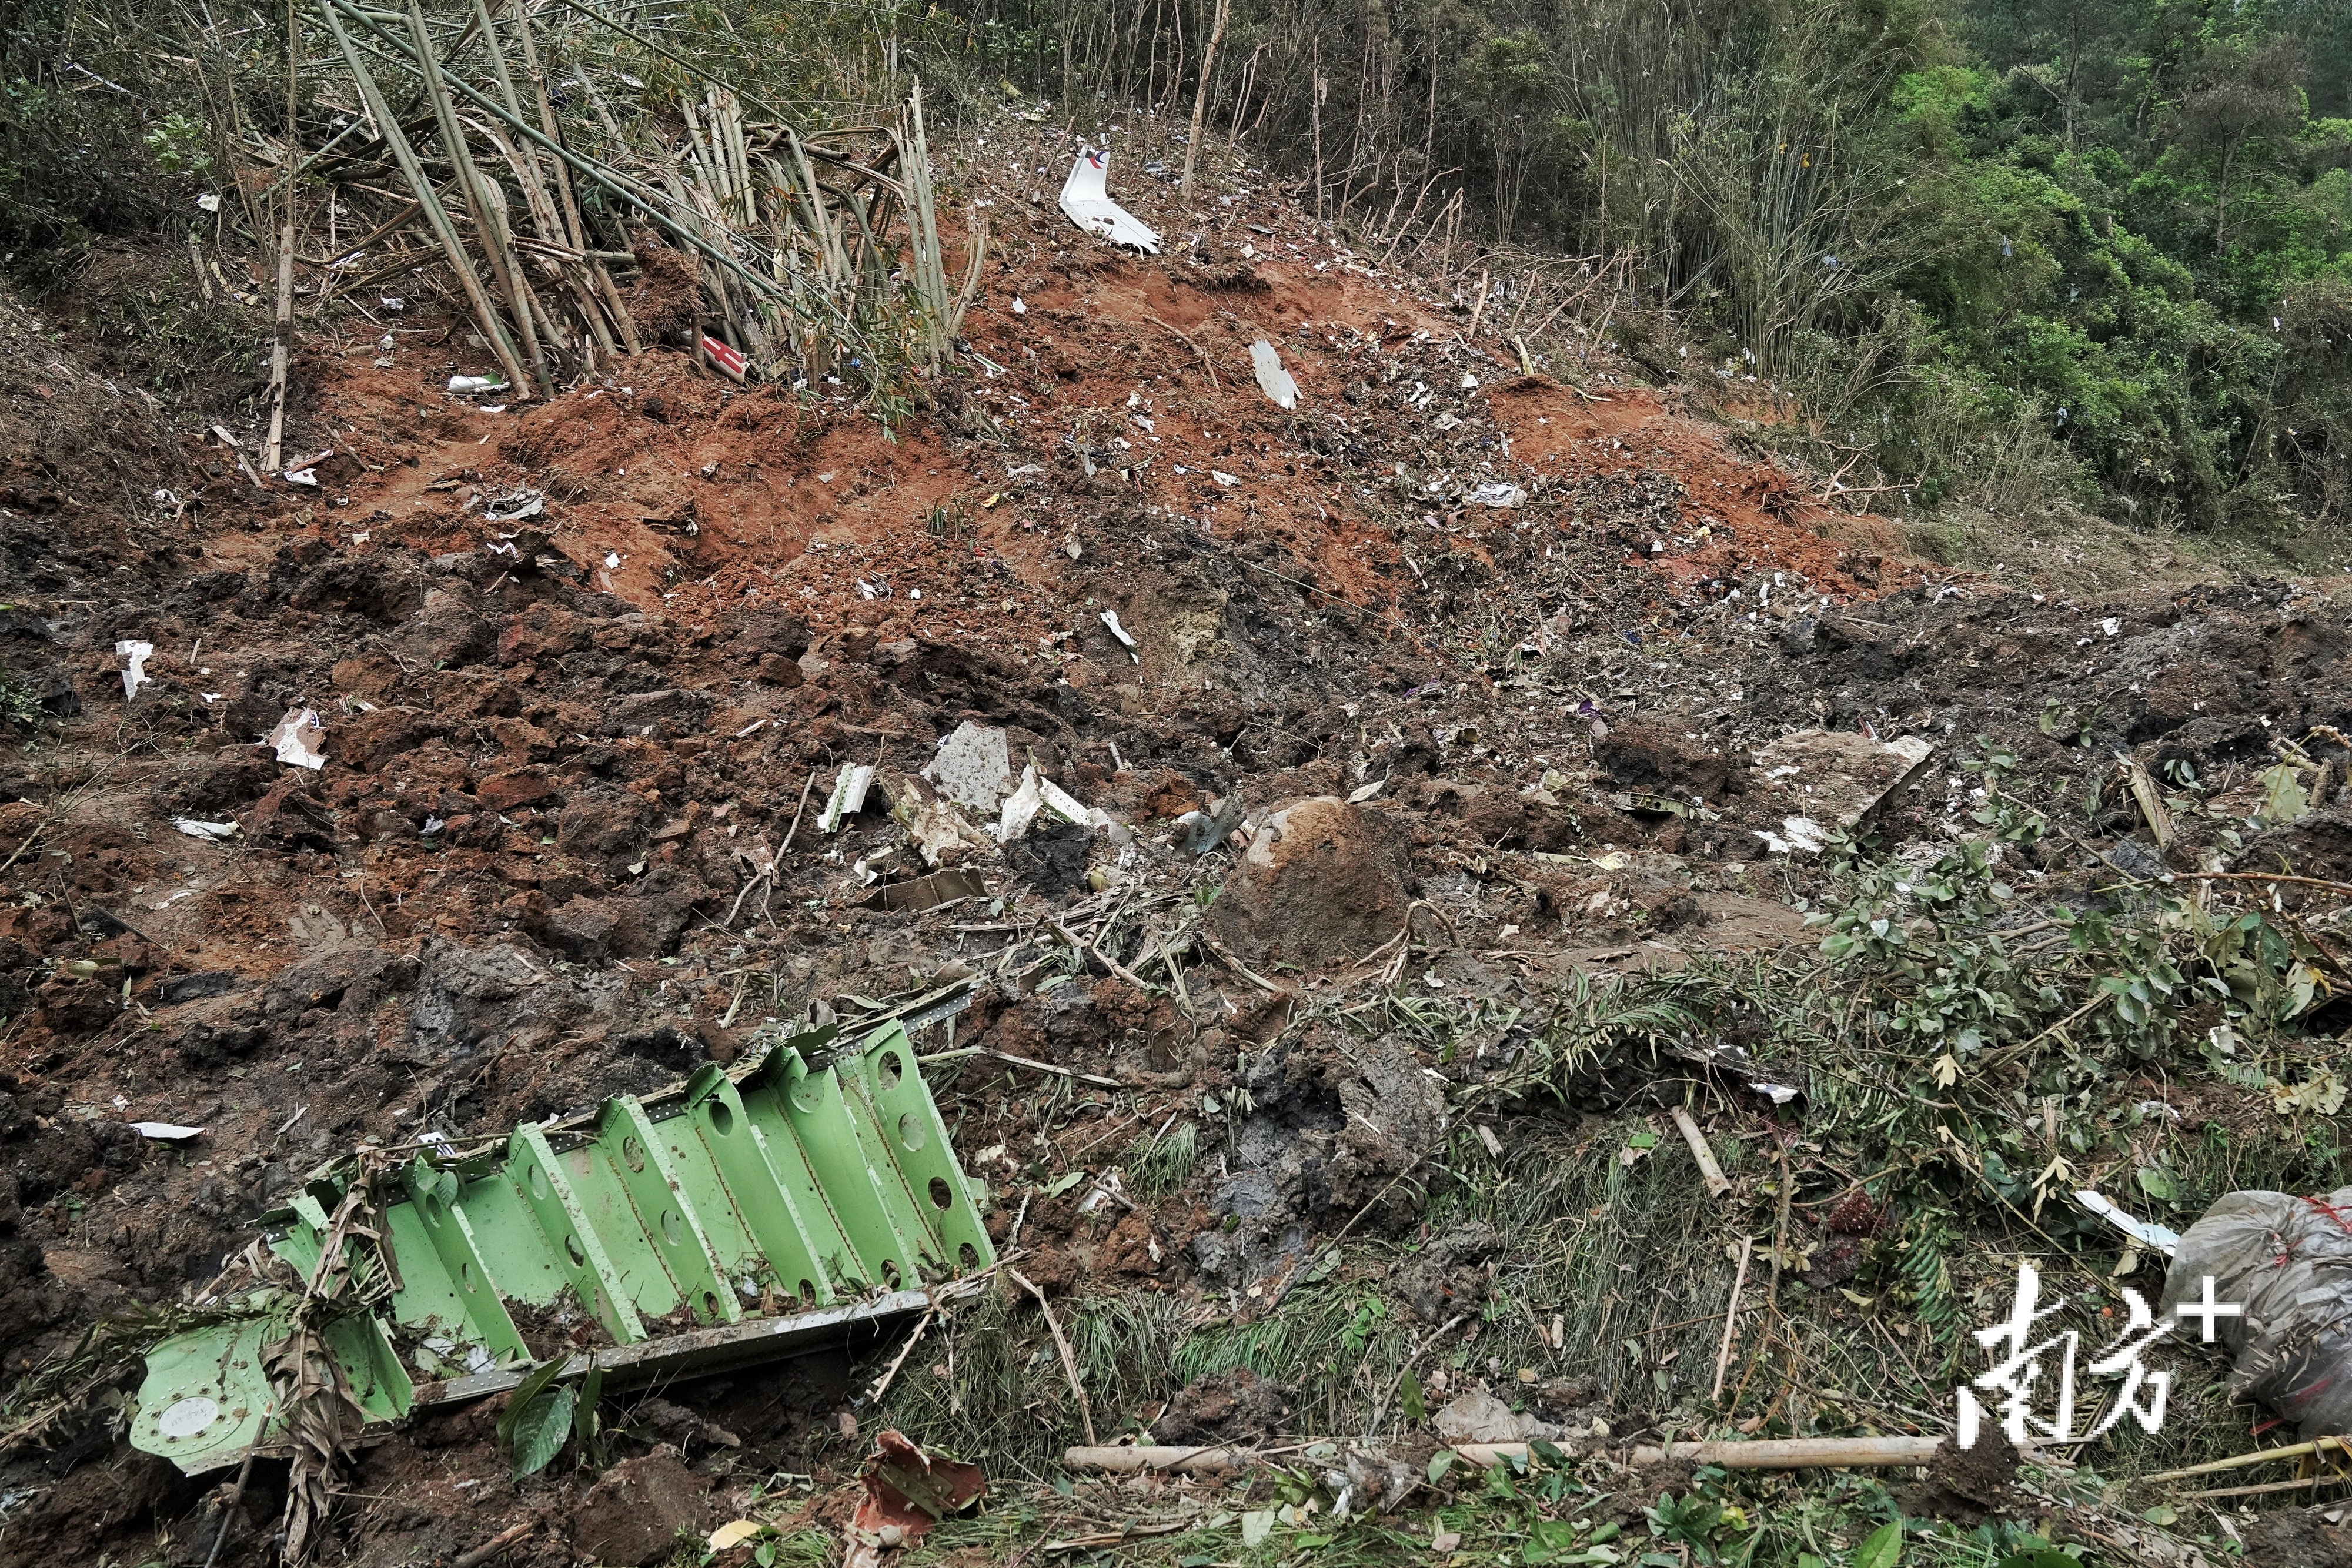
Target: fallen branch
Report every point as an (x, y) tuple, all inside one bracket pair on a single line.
[(1777, 1453), (1717, 1184), (1094, 1078), (1731, 1317), (1069, 1362), (493, 1546)]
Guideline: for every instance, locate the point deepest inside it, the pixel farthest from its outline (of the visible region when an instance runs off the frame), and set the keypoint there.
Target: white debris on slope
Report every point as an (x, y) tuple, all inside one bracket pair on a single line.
[(1085, 199)]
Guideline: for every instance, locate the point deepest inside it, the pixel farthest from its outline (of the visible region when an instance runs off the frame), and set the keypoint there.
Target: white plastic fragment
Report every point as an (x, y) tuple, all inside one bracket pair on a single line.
[(300, 739), (134, 673), (1086, 202), (1223, 477), (302, 476), (464, 385), (1110, 618), (211, 832), (1277, 384), (1500, 492), (167, 1132)]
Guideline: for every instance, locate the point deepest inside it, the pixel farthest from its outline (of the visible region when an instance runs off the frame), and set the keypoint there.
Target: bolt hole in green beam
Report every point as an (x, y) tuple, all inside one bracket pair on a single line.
[(812, 1192)]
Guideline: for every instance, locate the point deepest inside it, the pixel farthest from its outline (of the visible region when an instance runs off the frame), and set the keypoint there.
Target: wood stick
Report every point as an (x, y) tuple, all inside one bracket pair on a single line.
[(1731, 1318), (406, 156), (2338, 1479), (493, 1546), (1094, 1078), (1069, 1362), (796, 813), (1113, 965), (1717, 1184), (1773, 1454)]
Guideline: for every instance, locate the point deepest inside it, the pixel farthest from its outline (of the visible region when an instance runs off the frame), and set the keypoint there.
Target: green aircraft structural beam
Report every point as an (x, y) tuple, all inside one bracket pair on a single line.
[(715, 1220)]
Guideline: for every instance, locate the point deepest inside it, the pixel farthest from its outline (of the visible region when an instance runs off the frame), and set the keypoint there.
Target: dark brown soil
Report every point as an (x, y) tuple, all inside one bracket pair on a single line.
[(2297, 1538), (1969, 1486), (1233, 1407)]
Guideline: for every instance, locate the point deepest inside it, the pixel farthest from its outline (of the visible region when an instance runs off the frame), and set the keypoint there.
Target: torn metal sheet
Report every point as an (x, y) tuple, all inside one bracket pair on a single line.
[(918, 893), (731, 1217), (937, 828), (905, 1492), (300, 739), (974, 766), (134, 672), (1828, 781), (1277, 384), (848, 797), (1086, 202), (2145, 1232)]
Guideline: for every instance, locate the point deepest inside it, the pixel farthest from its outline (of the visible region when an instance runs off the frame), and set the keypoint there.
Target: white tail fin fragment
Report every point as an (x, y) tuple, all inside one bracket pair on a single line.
[(1085, 199)]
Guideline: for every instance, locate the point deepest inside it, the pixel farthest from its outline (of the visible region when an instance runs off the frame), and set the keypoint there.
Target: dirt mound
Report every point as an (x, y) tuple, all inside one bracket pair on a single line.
[(1971, 1486), (1322, 882)]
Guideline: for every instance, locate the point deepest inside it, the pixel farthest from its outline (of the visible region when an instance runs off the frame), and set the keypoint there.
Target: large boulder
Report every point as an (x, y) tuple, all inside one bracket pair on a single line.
[(1323, 883)]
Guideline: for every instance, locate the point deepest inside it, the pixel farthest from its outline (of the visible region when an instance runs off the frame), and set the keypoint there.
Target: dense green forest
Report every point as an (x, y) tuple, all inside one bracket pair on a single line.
[(2081, 254)]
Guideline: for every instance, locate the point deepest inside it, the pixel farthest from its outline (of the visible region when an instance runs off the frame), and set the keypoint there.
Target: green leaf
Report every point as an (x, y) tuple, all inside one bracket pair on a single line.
[(539, 1433), (1439, 1463), (1256, 1525), (1408, 1399), (528, 1389), (2044, 1559), (1881, 1548), (2155, 1181), (1064, 1184), (584, 1425)]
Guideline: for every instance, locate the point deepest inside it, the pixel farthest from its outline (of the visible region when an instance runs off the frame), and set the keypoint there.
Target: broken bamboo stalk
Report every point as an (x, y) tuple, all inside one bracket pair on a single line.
[(628, 189), (2261, 1457), (1769, 1454), (405, 155), (531, 179), (281, 338), (489, 216), (566, 204)]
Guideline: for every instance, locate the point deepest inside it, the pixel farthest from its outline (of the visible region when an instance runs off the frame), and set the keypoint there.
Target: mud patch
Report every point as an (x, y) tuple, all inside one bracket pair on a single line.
[(1234, 1407), (1969, 1486)]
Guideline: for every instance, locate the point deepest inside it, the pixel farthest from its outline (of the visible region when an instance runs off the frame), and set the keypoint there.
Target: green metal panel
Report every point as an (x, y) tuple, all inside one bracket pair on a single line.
[(686, 1216)]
